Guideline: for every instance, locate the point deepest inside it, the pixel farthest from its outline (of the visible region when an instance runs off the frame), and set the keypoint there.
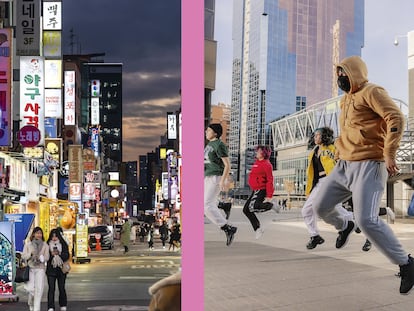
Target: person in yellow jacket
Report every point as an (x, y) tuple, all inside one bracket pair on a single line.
[(371, 127), (321, 161)]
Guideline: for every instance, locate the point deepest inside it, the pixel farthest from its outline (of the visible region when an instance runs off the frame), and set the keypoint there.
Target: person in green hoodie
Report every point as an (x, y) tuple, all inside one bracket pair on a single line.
[(371, 127)]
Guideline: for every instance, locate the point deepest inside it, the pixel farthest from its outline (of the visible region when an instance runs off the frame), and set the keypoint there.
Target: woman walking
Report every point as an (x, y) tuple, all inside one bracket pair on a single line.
[(59, 253), (36, 253)]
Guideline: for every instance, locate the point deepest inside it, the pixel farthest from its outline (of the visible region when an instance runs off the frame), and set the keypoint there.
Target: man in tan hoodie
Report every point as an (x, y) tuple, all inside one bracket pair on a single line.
[(166, 294), (371, 127)]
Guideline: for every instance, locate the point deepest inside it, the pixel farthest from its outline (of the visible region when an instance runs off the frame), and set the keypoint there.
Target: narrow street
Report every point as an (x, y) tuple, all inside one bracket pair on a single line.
[(112, 281)]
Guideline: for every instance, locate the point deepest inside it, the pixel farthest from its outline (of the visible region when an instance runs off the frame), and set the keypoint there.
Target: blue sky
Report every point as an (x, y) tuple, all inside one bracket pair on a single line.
[(387, 63)]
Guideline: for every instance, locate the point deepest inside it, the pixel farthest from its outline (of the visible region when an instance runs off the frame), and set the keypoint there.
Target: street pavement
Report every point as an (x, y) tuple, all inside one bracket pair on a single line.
[(277, 272), (113, 281)]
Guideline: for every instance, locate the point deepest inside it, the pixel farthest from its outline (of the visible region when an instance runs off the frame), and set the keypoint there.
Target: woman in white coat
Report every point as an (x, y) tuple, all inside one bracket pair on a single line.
[(36, 253)]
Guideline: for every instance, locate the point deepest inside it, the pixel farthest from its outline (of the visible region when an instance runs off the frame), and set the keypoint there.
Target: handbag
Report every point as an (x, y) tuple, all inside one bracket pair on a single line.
[(65, 267), (410, 210), (22, 274)]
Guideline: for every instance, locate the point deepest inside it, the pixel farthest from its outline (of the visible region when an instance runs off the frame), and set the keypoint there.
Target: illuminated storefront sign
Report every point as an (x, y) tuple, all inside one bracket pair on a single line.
[(53, 103), (52, 15), (32, 110), (52, 43), (53, 73), (69, 99), (5, 85)]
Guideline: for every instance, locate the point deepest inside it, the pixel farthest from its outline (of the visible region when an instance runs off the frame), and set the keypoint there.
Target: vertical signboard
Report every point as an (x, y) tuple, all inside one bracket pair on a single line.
[(32, 110), (52, 15), (69, 99), (5, 86), (94, 132), (81, 243), (75, 164), (95, 110), (53, 73), (172, 126), (50, 128), (28, 27), (53, 103), (52, 43)]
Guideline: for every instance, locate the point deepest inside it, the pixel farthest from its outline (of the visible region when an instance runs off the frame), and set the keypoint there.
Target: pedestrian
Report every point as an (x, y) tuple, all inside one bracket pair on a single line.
[(142, 232), (125, 235), (175, 237), (371, 127), (36, 253), (216, 171), (261, 183), (150, 238), (59, 253), (133, 234), (321, 161), (163, 233)]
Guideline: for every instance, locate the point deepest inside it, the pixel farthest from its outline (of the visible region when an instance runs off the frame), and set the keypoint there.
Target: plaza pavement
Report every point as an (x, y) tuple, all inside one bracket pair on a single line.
[(277, 272)]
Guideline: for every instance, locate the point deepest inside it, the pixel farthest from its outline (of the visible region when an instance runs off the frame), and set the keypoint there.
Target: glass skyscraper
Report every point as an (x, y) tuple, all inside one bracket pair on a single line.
[(284, 53)]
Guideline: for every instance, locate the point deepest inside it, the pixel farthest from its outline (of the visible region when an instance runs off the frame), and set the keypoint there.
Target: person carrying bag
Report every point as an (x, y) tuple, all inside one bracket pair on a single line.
[(36, 253), (56, 269), (22, 270)]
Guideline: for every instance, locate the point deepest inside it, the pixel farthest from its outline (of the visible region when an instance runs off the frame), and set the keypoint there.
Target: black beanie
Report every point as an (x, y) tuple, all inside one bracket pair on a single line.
[(216, 127)]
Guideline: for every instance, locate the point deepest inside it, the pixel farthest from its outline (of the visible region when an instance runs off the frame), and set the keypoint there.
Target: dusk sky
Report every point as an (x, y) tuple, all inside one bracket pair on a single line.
[(146, 37), (387, 63)]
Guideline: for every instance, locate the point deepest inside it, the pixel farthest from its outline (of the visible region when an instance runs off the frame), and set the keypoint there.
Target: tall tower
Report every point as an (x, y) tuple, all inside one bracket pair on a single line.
[(283, 52)]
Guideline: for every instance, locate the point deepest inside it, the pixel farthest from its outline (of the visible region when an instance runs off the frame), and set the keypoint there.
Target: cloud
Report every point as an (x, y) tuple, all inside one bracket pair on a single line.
[(143, 125), (145, 36)]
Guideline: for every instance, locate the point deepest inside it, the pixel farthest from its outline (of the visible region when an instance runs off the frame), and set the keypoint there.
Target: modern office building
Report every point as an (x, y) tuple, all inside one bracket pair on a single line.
[(290, 137), (104, 82), (283, 61)]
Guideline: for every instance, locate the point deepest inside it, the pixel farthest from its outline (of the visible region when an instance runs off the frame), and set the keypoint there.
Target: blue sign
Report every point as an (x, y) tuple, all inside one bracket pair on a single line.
[(22, 224), (94, 132), (50, 128)]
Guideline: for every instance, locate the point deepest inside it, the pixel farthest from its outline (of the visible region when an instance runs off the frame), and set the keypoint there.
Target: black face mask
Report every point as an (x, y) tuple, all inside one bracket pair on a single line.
[(344, 84)]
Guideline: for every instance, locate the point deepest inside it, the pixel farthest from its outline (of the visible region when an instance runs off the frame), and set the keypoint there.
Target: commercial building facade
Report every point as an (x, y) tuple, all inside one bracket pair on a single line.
[(284, 55)]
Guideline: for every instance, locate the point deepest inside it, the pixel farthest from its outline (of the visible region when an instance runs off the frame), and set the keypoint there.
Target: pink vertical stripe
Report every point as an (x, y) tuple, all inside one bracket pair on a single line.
[(192, 92)]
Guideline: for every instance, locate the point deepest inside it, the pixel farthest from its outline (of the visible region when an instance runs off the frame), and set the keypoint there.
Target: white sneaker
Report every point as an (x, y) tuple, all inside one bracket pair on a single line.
[(62, 308), (391, 213), (50, 309), (259, 233)]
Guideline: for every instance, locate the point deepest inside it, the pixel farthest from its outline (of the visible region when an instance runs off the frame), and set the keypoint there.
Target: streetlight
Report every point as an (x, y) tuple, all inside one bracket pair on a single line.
[(115, 194)]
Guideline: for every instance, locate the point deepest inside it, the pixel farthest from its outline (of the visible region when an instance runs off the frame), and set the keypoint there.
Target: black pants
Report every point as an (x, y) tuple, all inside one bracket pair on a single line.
[(256, 199), (51, 281)]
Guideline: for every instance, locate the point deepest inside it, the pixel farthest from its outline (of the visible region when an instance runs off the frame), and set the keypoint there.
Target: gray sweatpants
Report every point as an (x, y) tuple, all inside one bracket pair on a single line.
[(365, 182)]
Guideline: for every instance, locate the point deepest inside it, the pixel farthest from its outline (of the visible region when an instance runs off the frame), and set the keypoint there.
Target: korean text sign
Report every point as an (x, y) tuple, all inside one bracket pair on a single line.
[(32, 107)]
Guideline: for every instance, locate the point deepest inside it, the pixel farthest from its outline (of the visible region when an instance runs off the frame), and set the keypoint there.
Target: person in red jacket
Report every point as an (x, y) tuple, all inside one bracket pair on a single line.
[(261, 182)]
